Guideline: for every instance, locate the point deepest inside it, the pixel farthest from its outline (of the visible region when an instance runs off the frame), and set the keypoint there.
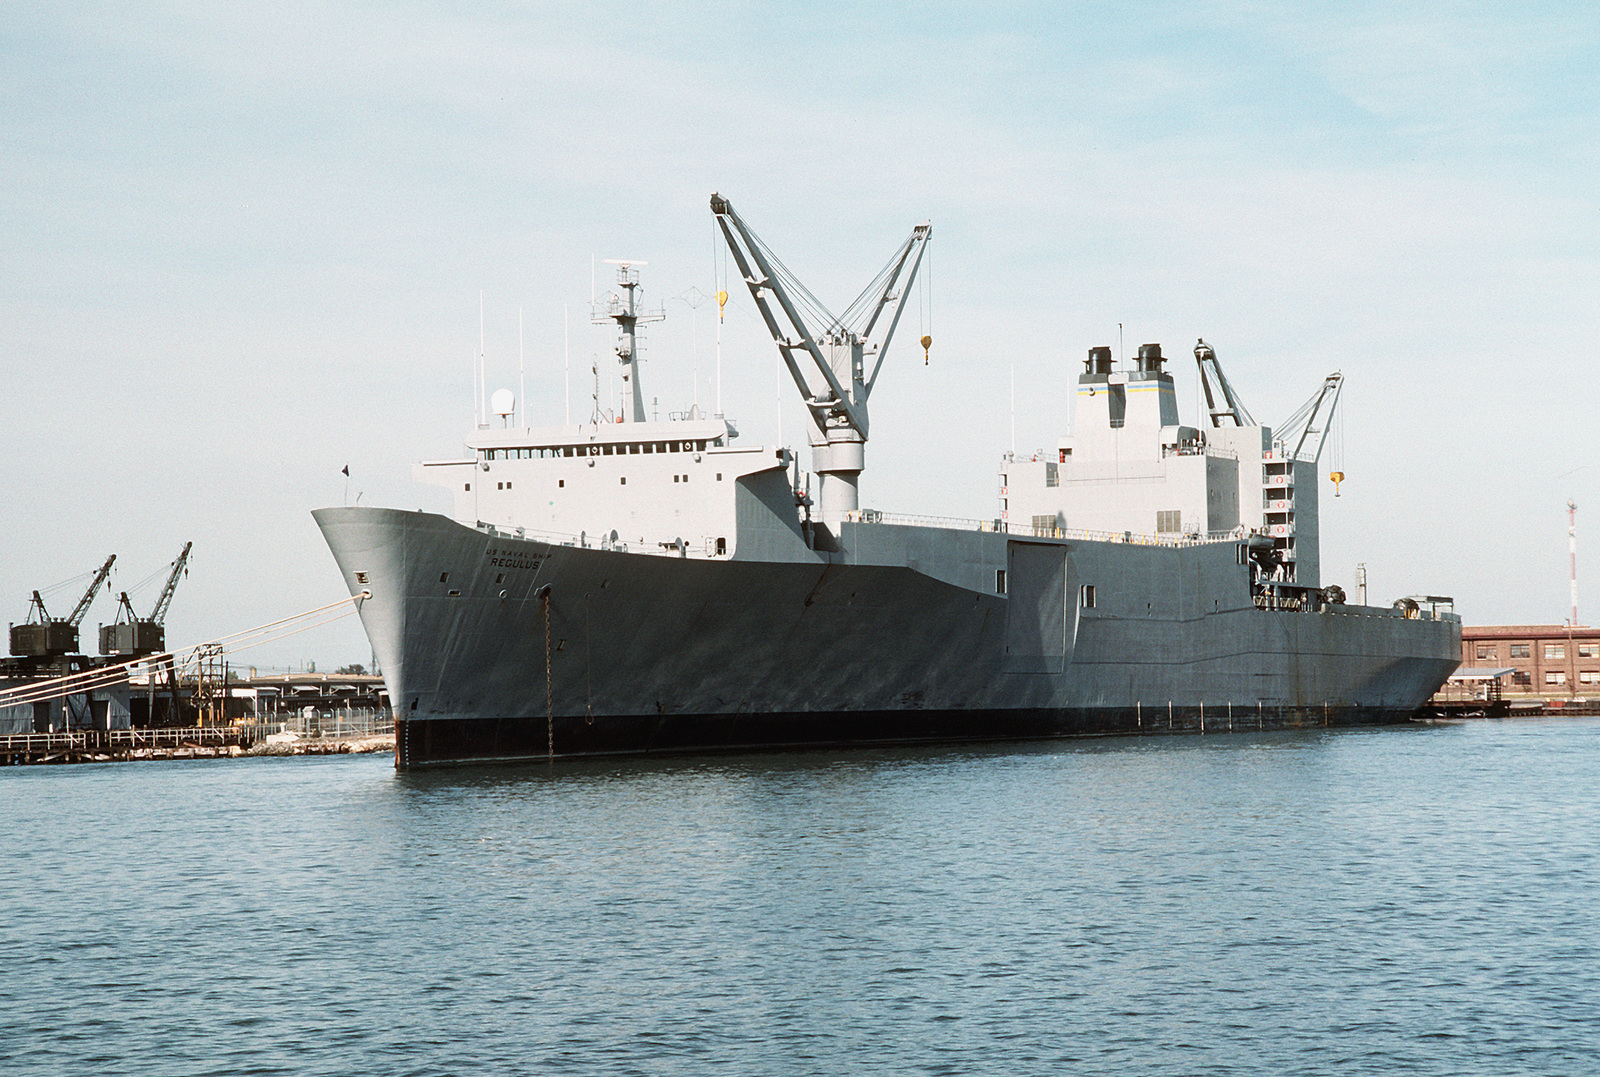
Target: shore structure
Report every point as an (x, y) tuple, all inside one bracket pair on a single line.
[(630, 585), (1525, 667)]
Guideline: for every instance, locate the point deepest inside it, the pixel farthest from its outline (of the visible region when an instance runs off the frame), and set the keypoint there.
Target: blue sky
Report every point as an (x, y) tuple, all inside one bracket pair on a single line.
[(245, 247)]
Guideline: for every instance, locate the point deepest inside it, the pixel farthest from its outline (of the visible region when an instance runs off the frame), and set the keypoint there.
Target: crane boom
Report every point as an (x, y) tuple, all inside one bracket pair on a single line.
[(1231, 407), (757, 272), (1304, 428), (76, 616), (159, 615), (838, 407)]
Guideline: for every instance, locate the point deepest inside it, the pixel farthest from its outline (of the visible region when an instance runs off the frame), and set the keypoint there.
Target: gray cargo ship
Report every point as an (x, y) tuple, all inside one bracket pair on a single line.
[(631, 586)]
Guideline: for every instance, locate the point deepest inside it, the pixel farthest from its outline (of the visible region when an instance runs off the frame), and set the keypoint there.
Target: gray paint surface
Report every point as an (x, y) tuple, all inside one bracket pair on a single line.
[(857, 630)]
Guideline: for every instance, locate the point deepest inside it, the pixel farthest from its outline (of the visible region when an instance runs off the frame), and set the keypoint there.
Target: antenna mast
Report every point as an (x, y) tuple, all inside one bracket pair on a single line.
[(624, 310), (838, 407)]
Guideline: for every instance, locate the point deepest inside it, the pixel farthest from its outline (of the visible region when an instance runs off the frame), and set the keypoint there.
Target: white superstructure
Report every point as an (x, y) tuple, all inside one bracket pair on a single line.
[(623, 482), (1131, 467), (647, 486)]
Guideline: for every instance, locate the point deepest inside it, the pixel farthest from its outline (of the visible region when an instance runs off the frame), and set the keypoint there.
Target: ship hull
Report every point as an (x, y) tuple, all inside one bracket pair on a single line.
[(500, 648), (424, 742)]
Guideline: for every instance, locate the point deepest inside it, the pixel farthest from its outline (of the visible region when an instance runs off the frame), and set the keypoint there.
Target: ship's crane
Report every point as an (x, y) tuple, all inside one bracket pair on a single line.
[(131, 636), (1307, 428), (1231, 407), (52, 637), (838, 351)]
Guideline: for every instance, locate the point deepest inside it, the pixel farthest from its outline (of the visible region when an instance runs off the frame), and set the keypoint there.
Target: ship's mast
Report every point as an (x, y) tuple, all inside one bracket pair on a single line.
[(838, 406), (624, 310)]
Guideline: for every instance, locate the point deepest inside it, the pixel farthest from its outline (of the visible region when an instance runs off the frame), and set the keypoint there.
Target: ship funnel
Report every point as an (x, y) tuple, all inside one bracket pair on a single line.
[(1149, 361), (1099, 361)]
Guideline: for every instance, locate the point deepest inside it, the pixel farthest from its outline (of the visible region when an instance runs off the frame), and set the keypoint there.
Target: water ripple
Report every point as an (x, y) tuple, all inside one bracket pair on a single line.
[(1398, 901)]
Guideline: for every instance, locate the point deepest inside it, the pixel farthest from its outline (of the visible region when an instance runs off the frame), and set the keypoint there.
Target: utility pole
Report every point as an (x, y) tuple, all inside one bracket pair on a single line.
[(1572, 553)]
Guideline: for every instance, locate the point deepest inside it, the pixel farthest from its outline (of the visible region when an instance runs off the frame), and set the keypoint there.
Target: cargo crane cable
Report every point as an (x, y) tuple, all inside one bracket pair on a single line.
[(103, 676), (76, 581), (1301, 428), (170, 569), (147, 581), (868, 302), (1336, 467), (798, 292), (925, 308), (840, 406), (876, 295)]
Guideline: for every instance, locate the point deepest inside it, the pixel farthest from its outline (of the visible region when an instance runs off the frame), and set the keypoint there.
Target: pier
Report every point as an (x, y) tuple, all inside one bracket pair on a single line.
[(193, 742)]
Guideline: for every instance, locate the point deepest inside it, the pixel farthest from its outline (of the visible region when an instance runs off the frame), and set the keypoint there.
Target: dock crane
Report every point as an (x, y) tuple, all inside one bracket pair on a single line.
[(44, 636), (131, 636)]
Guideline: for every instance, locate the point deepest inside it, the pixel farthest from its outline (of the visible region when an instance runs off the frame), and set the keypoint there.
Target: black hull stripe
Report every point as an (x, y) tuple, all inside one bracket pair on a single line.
[(421, 742)]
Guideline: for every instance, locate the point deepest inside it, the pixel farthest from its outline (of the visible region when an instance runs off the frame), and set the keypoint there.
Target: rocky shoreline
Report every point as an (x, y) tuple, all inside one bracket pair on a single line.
[(382, 742)]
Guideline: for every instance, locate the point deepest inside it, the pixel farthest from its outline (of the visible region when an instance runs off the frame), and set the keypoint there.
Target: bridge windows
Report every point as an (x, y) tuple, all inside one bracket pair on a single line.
[(609, 448)]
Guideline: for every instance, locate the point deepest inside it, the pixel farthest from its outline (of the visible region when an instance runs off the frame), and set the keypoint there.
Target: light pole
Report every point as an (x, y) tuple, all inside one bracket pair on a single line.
[(1572, 553)]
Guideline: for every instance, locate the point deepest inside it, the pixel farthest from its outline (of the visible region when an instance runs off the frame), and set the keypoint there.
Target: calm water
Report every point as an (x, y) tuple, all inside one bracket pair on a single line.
[(1390, 901)]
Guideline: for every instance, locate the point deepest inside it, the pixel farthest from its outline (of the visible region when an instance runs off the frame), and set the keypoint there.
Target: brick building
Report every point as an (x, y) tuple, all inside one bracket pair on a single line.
[(1548, 661)]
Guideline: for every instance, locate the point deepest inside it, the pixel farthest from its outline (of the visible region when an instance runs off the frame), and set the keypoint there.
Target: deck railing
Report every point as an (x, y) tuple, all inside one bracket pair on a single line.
[(220, 736), (874, 516), (877, 516)]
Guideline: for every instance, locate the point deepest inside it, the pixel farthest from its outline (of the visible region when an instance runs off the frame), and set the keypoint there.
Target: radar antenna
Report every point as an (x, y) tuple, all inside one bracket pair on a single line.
[(838, 407)]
